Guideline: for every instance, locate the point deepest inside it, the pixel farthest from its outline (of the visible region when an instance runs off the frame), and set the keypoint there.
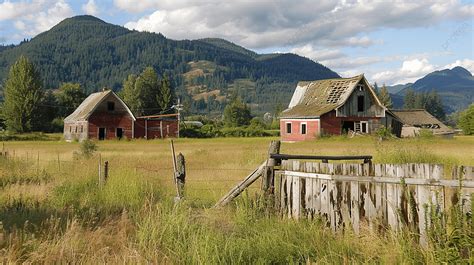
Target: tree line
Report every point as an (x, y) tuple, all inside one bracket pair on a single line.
[(27, 106), (430, 101)]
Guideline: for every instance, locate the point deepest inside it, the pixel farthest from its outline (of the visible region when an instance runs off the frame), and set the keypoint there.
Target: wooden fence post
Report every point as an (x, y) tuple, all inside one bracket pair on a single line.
[(180, 175), (106, 171), (268, 180), (100, 170)]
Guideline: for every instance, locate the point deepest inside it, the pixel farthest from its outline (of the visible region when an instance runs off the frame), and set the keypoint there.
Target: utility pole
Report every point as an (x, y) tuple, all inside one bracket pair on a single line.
[(179, 108)]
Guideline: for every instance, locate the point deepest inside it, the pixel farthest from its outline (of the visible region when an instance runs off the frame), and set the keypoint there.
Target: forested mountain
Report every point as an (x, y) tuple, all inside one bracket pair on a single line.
[(205, 73), (454, 86)]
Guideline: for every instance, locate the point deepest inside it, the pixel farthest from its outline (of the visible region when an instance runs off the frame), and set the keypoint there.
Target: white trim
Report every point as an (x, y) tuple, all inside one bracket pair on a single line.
[(299, 119), (102, 100), (286, 127), (318, 133), (306, 128), (105, 133), (366, 126), (116, 129)]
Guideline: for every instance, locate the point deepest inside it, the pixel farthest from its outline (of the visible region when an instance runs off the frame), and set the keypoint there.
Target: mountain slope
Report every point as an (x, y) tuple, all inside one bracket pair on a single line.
[(455, 87), (97, 54)]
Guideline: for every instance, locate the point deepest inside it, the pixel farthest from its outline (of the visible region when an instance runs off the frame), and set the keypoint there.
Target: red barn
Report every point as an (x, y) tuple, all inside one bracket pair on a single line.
[(103, 115), (334, 107)]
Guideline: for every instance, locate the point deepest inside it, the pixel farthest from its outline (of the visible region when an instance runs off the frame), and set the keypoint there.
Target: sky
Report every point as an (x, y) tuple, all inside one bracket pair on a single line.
[(391, 42)]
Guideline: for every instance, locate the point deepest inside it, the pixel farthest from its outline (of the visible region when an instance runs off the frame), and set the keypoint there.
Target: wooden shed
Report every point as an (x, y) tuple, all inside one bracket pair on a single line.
[(335, 106), (416, 119)]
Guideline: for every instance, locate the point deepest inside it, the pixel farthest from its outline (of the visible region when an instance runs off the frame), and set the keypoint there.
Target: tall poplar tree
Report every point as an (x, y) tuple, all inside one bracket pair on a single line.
[(22, 94), (165, 97), (384, 97), (409, 101)]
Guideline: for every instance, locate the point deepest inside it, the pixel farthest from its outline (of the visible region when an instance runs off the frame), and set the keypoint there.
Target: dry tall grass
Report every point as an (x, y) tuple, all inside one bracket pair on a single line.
[(53, 211)]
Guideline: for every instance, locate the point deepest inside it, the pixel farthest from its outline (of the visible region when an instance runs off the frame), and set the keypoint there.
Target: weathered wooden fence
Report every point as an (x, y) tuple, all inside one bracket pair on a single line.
[(380, 195)]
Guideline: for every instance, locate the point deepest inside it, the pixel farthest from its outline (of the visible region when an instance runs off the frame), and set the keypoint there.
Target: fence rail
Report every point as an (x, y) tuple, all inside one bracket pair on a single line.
[(394, 196)]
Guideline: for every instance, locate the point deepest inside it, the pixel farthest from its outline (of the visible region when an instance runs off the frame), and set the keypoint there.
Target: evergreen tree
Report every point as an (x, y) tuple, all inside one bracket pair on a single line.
[(148, 88), (22, 94), (70, 96), (237, 114), (466, 120), (48, 111), (409, 101), (376, 88), (165, 97), (384, 97), (434, 105), (131, 96)]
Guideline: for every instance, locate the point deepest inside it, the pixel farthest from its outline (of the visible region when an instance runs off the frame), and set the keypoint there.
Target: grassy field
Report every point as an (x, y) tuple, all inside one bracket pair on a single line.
[(52, 210)]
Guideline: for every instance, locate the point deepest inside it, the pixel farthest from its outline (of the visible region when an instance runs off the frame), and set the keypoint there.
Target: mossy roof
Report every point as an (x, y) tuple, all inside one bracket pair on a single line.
[(315, 98)]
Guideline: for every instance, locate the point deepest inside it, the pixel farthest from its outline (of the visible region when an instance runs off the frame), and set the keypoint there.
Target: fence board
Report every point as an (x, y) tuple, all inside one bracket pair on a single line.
[(382, 195)]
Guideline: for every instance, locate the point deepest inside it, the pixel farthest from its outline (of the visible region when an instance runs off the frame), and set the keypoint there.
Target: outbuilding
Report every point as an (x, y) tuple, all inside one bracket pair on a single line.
[(103, 115), (334, 107), (416, 119)]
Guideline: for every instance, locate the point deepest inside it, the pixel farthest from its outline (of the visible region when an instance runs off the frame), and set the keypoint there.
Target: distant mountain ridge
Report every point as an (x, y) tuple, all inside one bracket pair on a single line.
[(97, 54), (455, 86)]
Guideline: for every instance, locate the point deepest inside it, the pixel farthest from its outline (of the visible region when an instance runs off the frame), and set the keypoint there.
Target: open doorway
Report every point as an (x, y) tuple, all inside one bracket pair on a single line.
[(119, 133), (347, 126), (101, 133)]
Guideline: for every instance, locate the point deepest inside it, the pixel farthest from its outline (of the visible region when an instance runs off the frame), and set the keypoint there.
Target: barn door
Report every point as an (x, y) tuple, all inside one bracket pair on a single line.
[(101, 133), (119, 133)]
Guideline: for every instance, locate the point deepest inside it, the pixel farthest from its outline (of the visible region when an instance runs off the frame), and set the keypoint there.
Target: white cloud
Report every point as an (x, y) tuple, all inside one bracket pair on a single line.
[(265, 24), (11, 10), (410, 71), (90, 8), (466, 63), (47, 14), (317, 55)]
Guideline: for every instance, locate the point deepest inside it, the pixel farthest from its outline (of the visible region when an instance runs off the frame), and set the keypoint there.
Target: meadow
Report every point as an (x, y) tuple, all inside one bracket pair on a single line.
[(53, 211)]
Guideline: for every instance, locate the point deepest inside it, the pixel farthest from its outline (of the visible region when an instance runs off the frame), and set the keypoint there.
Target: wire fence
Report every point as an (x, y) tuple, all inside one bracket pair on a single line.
[(201, 184)]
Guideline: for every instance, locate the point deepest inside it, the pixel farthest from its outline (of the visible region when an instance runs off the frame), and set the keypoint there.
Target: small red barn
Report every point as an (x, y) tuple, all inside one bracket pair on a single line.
[(103, 115), (334, 107)]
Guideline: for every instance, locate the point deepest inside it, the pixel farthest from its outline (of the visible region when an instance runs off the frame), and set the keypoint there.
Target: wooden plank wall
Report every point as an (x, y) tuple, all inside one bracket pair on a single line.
[(377, 196)]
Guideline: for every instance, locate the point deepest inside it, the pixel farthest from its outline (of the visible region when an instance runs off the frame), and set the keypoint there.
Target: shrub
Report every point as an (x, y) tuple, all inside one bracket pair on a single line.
[(425, 134), (466, 120), (88, 149), (190, 133), (384, 133)]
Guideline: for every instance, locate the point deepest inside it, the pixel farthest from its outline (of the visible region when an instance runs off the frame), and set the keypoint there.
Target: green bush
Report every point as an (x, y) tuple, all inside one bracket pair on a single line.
[(87, 148), (384, 133), (425, 134)]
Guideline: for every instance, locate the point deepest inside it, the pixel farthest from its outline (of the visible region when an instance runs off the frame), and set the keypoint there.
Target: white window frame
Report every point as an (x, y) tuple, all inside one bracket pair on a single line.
[(286, 127), (305, 126), (366, 126)]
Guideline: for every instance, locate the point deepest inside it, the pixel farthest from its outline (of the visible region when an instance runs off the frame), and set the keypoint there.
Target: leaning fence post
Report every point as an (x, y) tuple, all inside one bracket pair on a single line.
[(180, 175), (268, 180)]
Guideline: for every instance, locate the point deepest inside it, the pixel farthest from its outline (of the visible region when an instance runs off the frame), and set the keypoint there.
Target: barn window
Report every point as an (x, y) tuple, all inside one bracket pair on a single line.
[(82, 128), (303, 128), (288, 127), (75, 129), (70, 128), (360, 103), (110, 106)]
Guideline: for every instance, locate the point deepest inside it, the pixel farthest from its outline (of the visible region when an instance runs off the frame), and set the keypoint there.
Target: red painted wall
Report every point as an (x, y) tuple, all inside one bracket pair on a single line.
[(170, 128), (312, 130), (110, 121), (330, 124)]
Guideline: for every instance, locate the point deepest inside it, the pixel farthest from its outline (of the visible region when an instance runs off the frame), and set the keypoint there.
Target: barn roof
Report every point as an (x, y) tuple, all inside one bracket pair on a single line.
[(422, 118), (87, 107), (314, 98)]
